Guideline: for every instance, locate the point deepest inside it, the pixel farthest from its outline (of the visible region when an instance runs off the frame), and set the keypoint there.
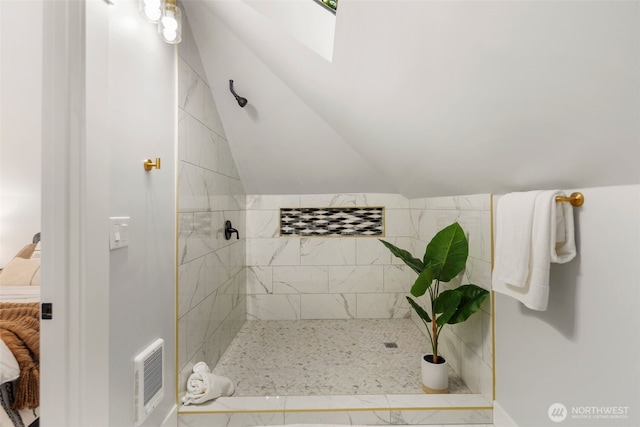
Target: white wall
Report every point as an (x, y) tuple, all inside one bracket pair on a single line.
[(416, 85), (141, 122), (20, 124), (584, 350), (307, 21)]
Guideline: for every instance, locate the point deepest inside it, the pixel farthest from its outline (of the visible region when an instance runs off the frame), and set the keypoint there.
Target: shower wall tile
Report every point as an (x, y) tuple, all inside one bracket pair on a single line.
[(259, 280), (263, 223), (192, 289), (237, 256), (212, 270), (237, 199), (391, 201), (471, 368), (216, 265), (273, 252), (196, 145), (355, 278), (328, 306), (471, 333), (398, 278), (272, 202), (478, 272), (327, 273), (300, 280), (209, 150), (487, 347), (234, 419), (327, 200), (338, 418), (192, 188), (406, 243), (191, 90), (467, 346), (226, 165), (423, 222), (420, 204), (371, 251), (383, 306), (430, 417), (327, 251), (182, 344), (485, 382), (211, 117), (398, 223), (474, 223), (273, 307)]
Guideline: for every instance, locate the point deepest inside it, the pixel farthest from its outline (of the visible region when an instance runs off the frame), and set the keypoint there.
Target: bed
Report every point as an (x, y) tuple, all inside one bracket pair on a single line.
[(20, 338)]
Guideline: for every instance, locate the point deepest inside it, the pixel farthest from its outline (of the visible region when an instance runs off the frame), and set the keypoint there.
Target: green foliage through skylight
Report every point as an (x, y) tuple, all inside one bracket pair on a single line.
[(333, 4)]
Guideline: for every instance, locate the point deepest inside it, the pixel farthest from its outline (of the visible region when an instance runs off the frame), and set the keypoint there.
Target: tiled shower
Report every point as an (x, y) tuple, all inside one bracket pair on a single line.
[(264, 275), (291, 278)]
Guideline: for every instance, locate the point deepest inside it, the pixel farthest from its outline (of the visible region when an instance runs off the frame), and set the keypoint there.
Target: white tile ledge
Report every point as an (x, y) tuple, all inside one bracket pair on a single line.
[(340, 403)]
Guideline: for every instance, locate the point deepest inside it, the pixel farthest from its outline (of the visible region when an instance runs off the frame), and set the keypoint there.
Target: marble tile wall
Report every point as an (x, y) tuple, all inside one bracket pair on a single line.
[(468, 345), (325, 277), (211, 270)]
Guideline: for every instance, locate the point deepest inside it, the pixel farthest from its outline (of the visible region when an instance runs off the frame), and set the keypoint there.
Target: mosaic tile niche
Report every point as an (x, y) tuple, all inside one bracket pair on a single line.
[(332, 221)]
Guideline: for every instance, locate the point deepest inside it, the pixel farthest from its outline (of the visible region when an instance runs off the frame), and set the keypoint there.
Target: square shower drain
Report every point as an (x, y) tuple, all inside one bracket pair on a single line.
[(391, 345)]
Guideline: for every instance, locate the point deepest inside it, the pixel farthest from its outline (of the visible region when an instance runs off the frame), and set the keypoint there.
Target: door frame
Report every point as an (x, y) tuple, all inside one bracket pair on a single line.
[(75, 264)]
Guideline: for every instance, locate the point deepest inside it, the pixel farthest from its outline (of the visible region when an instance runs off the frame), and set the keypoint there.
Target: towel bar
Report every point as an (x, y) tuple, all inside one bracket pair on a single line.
[(576, 199)]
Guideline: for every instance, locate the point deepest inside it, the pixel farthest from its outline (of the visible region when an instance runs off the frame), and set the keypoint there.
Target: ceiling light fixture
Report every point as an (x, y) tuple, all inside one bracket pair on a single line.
[(170, 25), (151, 10)]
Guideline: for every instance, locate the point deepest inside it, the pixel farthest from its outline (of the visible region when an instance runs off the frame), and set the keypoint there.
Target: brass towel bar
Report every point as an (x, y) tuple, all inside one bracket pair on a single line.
[(576, 199)]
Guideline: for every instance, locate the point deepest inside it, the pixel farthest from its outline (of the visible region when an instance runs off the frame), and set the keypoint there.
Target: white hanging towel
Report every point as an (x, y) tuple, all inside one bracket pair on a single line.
[(202, 385), (532, 230)]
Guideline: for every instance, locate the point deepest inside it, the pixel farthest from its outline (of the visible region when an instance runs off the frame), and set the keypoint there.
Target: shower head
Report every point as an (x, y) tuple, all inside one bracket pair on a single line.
[(241, 101)]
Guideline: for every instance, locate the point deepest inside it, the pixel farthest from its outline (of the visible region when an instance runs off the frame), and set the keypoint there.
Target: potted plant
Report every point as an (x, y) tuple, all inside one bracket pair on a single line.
[(444, 259)]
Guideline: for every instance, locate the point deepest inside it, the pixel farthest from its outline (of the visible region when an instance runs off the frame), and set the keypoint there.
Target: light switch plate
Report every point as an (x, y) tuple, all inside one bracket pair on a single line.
[(118, 232)]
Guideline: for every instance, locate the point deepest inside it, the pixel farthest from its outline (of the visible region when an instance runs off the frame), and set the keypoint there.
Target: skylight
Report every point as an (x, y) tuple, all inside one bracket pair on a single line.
[(331, 5)]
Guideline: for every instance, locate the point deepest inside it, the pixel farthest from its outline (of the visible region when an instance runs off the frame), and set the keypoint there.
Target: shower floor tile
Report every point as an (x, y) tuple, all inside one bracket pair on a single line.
[(327, 357)]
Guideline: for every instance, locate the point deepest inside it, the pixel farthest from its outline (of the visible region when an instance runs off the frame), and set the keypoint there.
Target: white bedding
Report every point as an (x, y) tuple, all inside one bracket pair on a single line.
[(20, 293)]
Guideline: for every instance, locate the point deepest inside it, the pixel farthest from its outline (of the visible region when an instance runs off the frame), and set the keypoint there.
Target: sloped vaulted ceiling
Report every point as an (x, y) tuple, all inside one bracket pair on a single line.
[(430, 98)]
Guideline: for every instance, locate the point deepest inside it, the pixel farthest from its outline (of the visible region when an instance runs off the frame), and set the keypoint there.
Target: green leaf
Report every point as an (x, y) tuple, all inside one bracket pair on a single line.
[(447, 304), (422, 283), (418, 309), (415, 264), (472, 298), (447, 252)]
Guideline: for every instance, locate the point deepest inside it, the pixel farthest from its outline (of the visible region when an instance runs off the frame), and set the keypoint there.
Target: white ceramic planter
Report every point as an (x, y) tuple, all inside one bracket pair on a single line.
[(435, 377)]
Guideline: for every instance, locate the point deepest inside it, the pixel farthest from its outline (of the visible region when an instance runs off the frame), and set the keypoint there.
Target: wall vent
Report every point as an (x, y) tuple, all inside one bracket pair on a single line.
[(148, 380)]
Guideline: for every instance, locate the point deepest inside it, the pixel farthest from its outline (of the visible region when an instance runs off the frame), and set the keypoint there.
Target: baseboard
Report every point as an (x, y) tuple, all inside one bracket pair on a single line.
[(501, 418), (171, 419)]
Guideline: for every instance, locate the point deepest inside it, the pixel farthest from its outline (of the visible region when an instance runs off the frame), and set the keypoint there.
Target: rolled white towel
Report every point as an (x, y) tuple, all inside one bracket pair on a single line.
[(201, 367), (204, 386)]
